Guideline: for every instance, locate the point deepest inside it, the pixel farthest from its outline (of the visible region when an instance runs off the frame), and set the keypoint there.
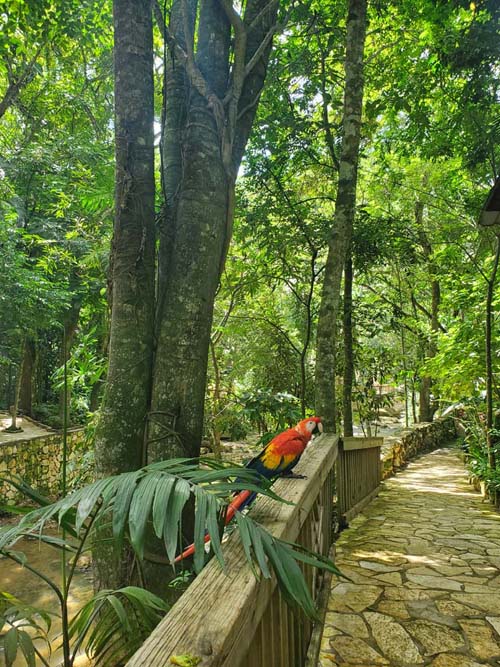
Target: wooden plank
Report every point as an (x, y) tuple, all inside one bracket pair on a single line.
[(355, 443), (322, 602), (353, 511), (217, 616)]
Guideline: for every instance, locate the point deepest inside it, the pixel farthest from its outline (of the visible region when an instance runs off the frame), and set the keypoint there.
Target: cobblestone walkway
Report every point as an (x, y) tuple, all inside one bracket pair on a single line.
[(424, 559)]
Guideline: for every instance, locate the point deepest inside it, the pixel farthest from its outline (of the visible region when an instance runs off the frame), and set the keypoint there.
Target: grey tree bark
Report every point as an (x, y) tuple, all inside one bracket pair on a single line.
[(154, 397), (489, 355), (344, 213), (426, 407), (26, 390), (120, 432), (348, 349), (209, 111)]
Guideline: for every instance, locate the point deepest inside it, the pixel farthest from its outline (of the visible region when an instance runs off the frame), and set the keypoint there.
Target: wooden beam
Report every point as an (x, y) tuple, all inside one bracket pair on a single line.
[(216, 618), (353, 443)]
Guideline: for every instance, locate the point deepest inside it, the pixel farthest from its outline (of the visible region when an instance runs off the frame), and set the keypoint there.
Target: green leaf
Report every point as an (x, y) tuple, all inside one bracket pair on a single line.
[(126, 486), (26, 644), (258, 547), (140, 509), (10, 643), (185, 660), (200, 519), (88, 499), (178, 499), (214, 529), (160, 503)]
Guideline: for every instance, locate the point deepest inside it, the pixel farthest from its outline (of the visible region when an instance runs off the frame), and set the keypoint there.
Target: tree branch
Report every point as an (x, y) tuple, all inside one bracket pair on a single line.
[(274, 326), (424, 310), (14, 87), (263, 46)]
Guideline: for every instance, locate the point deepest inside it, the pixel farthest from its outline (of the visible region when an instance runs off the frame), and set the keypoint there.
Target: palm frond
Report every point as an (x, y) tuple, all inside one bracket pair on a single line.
[(114, 624), (159, 491), (18, 617), (134, 504), (264, 549)]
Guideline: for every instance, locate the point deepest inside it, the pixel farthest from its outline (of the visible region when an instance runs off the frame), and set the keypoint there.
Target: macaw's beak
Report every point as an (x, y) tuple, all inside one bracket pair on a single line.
[(318, 428)]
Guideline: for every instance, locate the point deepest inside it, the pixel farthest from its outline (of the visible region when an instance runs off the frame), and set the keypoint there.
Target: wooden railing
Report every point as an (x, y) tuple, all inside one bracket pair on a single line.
[(358, 475), (233, 619)]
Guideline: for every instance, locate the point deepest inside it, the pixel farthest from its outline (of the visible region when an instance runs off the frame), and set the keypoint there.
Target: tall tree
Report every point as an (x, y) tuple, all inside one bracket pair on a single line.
[(120, 434), (344, 212), (213, 81), (154, 400)]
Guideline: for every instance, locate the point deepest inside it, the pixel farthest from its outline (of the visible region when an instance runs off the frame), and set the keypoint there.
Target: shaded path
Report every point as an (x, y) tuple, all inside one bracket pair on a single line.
[(424, 558)]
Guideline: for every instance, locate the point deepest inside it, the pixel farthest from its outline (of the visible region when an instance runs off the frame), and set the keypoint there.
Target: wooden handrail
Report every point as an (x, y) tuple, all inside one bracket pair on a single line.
[(219, 615), (354, 443)]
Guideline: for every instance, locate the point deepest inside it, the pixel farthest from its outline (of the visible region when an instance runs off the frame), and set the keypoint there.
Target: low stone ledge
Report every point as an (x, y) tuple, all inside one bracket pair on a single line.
[(414, 441)]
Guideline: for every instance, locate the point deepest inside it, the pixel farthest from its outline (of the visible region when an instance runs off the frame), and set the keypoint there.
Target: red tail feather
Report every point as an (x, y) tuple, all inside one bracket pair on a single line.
[(232, 508)]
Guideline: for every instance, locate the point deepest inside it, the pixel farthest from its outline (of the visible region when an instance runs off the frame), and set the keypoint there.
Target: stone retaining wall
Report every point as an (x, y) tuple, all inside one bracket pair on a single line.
[(417, 440), (38, 461)]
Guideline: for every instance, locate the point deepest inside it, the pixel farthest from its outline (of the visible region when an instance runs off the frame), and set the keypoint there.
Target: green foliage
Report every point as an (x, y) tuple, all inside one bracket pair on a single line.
[(22, 628), (185, 660), (56, 172), (268, 411), (472, 415), (113, 623)]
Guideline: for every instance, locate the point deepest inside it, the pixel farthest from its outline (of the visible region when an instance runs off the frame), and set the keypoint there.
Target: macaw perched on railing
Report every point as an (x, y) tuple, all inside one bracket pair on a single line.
[(278, 458)]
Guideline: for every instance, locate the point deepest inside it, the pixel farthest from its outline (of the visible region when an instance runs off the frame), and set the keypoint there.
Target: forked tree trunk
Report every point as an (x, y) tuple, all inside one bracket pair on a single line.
[(204, 141), (212, 87), (344, 213)]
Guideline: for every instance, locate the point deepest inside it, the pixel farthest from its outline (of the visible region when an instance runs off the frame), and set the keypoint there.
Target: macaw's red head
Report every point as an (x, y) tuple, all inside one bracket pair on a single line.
[(310, 426)]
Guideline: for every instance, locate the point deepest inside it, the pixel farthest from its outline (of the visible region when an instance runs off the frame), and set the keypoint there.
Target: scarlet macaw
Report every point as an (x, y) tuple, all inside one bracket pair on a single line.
[(278, 458)]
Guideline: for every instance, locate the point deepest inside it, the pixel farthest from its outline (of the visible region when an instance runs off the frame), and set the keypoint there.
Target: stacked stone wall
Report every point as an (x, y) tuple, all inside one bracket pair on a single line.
[(415, 441), (38, 460)]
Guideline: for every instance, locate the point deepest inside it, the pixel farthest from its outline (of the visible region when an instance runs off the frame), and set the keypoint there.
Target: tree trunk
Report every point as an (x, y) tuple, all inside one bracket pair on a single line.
[(193, 275), (344, 213), (70, 324), (26, 390), (203, 147), (427, 409), (425, 412), (348, 352), (489, 358), (212, 87), (13, 427), (120, 432)]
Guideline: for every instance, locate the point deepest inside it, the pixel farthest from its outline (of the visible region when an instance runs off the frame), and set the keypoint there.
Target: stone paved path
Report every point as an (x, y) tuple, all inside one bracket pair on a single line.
[(424, 559)]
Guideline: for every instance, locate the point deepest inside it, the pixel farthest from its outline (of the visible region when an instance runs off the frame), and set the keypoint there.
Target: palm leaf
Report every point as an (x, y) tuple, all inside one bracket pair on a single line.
[(173, 514), (19, 615), (125, 490), (113, 624), (157, 495), (283, 557), (140, 508)]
